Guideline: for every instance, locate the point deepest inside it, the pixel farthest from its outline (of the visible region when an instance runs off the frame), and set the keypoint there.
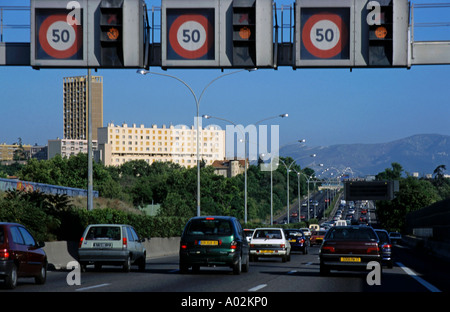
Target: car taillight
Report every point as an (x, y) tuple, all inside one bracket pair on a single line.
[(302, 240), (372, 250), (81, 242), (183, 246), (4, 254), (387, 246), (282, 245), (234, 245), (328, 249), (124, 242)]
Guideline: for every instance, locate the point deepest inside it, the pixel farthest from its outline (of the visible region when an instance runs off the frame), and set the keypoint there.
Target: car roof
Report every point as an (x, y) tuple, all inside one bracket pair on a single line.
[(213, 217), (107, 224)]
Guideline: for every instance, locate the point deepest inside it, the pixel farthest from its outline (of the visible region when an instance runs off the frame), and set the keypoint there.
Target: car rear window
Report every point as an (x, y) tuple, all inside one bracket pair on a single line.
[(383, 236), (267, 234), (352, 233), (2, 236), (103, 233), (209, 227)]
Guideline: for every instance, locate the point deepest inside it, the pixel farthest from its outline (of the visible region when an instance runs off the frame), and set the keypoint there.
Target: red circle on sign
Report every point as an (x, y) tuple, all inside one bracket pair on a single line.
[(72, 50), (306, 38), (173, 38)]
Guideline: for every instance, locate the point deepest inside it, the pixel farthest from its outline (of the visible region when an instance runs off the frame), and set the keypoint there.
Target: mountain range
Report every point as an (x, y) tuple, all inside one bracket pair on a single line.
[(420, 153)]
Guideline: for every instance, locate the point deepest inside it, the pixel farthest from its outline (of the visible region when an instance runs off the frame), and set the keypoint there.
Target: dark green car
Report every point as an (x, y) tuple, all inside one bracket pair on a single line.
[(214, 241)]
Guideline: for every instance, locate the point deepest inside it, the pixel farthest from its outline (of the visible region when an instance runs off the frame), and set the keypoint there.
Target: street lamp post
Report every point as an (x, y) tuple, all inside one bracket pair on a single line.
[(197, 103), (288, 168), (245, 155)]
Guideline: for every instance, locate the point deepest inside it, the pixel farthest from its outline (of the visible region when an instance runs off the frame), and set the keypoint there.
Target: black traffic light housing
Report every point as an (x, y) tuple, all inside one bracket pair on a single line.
[(111, 42), (381, 36), (244, 33)]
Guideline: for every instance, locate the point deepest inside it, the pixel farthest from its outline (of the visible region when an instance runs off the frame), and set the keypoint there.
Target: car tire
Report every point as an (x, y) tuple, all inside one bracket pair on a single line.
[(237, 267), (42, 277), (246, 266), (127, 265), (11, 278)]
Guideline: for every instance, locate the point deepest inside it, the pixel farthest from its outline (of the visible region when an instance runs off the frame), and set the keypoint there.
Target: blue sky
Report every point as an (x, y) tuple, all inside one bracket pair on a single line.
[(325, 106)]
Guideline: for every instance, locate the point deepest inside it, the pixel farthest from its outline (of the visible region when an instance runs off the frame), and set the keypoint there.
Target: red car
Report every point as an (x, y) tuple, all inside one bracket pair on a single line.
[(317, 237), (349, 248), (20, 255)]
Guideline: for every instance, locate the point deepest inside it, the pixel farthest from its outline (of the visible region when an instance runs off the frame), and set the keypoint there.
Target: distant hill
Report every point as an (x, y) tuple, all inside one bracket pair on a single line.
[(420, 153)]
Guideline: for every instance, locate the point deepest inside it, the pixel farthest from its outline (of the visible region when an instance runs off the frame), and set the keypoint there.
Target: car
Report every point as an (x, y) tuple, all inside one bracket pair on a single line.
[(317, 237), (395, 237), (111, 244), (297, 239), (349, 248), (386, 247), (214, 241), (20, 255), (306, 231), (248, 234), (270, 242)]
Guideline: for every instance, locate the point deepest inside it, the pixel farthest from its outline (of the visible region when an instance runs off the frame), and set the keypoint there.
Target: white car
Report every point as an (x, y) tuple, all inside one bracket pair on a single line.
[(270, 242)]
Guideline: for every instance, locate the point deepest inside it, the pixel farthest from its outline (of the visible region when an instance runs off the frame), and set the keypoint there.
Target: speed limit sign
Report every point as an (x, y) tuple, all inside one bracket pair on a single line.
[(190, 35), (58, 39), (324, 34)]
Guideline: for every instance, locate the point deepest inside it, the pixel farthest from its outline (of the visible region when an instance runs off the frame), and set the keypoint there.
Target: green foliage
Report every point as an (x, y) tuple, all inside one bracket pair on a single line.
[(413, 194)]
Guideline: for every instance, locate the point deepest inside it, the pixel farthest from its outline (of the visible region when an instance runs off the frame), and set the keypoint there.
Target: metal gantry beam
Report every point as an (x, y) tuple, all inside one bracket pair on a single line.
[(285, 33)]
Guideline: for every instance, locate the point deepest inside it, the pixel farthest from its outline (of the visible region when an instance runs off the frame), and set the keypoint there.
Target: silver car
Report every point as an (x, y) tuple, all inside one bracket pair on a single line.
[(111, 244)]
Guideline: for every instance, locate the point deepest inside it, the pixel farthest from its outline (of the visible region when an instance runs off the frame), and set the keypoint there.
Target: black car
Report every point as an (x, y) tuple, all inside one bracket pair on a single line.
[(297, 239), (214, 241)]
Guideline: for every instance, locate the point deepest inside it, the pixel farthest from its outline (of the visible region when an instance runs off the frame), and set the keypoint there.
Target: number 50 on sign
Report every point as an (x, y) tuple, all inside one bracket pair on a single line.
[(56, 38)]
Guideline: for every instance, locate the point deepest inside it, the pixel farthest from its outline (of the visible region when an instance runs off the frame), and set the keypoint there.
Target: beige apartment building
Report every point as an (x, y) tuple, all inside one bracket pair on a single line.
[(9, 152), (119, 144), (75, 115)]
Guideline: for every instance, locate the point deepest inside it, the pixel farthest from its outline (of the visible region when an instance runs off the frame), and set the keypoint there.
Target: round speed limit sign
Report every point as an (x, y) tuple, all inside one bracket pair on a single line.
[(324, 35), (59, 39), (191, 36)]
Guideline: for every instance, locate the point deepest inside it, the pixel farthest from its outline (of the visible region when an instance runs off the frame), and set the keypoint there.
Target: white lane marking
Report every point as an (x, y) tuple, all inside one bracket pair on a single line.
[(256, 288), (92, 287), (292, 272), (418, 278)]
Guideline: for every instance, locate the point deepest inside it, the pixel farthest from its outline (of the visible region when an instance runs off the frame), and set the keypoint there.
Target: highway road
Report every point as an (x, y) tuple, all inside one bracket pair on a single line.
[(266, 276)]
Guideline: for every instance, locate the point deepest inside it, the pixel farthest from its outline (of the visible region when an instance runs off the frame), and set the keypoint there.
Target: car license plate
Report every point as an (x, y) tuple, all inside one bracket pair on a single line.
[(103, 245), (293, 240), (266, 251), (208, 243), (350, 259)]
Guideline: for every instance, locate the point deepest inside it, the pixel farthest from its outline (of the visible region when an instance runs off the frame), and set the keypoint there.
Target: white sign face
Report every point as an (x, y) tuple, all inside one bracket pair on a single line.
[(61, 36), (191, 36), (325, 35)]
